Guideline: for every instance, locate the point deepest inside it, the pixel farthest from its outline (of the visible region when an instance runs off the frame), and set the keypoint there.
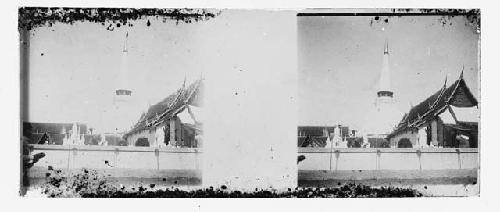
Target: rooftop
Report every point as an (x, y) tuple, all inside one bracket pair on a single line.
[(458, 95)]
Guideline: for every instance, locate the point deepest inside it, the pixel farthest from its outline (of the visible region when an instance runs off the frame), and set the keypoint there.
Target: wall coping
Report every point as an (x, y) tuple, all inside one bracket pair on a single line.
[(388, 150), (300, 150), (114, 148)]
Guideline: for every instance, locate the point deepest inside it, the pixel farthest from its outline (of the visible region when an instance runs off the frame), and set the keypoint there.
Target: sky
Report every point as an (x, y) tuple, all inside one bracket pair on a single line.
[(340, 60), (74, 69)]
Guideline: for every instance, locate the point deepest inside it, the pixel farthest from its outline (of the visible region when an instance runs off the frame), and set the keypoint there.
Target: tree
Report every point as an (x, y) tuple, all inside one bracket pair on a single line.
[(354, 142), (404, 143), (142, 142), (28, 160), (385, 144), (122, 143)]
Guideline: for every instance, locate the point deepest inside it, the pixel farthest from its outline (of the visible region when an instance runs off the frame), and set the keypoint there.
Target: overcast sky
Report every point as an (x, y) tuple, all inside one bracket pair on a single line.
[(74, 68), (340, 59)]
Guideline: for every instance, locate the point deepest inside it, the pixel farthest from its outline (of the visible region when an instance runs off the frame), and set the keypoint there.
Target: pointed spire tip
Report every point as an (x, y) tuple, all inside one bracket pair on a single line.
[(386, 47), (462, 73)]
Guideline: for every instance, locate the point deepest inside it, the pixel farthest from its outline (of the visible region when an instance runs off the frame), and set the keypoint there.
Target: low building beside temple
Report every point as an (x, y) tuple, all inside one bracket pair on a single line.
[(321, 136), (449, 118), (56, 133)]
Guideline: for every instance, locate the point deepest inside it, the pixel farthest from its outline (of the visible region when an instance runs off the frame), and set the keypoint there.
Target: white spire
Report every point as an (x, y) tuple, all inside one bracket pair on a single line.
[(385, 76), (385, 115), (123, 88), (122, 114), (125, 45)]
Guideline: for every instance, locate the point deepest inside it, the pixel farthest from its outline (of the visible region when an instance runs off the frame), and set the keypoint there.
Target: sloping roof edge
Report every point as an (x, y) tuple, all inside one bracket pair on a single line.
[(433, 106), (167, 108)]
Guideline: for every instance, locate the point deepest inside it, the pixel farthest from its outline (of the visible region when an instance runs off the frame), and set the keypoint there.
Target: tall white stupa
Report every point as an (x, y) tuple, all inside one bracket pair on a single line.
[(383, 115), (122, 120)]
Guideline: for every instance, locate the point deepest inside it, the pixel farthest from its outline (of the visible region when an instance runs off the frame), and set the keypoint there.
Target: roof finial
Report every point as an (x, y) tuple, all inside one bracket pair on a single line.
[(125, 45), (462, 73), (386, 47)]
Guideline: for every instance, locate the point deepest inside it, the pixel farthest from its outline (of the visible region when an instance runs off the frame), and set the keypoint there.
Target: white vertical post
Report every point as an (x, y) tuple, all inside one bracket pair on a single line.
[(172, 132), (434, 132)]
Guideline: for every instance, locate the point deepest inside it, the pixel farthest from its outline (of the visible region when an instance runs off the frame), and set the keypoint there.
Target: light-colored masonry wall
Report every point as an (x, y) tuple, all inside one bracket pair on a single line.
[(122, 161), (389, 159), (150, 162)]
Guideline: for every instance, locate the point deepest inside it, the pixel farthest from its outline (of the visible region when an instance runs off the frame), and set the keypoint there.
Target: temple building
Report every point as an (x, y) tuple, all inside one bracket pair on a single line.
[(448, 118), (176, 121), (383, 116)]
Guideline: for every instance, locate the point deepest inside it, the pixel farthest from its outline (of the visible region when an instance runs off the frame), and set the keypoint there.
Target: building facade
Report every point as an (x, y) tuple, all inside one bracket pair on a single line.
[(324, 136), (176, 121), (56, 133), (448, 118)]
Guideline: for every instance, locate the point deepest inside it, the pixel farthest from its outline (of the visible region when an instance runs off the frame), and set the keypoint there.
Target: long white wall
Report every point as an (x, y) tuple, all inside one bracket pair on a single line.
[(389, 159), (152, 160), (120, 160)]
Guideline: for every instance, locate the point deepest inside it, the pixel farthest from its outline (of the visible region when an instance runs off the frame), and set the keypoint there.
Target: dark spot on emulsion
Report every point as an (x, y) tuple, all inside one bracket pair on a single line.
[(164, 179), (425, 187), (236, 93), (42, 54), (175, 182), (386, 20), (376, 18), (300, 158), (148, 24)]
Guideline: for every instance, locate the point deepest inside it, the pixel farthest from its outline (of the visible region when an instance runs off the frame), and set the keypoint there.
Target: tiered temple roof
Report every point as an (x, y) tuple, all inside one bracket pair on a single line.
[(169, 107), (458, 95)]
